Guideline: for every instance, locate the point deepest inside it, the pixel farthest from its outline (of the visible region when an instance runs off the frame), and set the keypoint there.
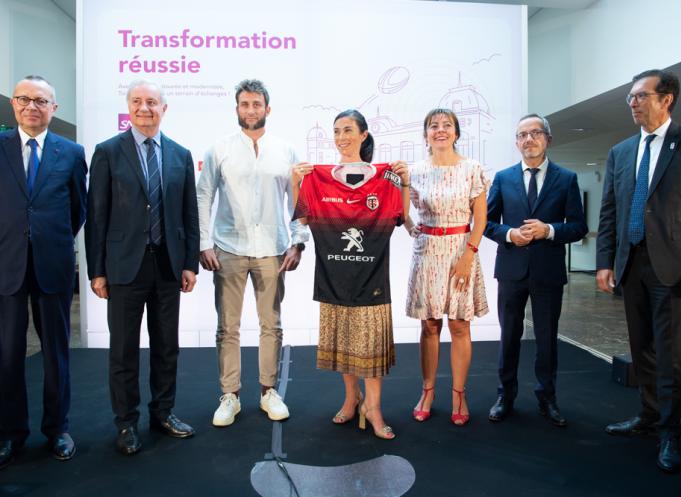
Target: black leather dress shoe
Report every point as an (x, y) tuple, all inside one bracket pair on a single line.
[(630, 427), (62, 446), (172, 426), (549, 409), (8, 449), (128, 441), (501, 408), (669, 457)]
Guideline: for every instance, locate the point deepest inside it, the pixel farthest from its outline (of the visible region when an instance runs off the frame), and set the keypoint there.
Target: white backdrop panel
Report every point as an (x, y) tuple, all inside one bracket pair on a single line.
[(392, 60)]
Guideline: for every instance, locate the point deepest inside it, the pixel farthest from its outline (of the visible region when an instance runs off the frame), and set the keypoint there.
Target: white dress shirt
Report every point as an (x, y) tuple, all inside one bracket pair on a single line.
[(541, 175), (251, 219), (655, 147), (26, 148)]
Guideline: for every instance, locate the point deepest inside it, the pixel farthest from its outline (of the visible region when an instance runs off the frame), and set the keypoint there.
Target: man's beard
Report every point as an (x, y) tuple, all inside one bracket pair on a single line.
[(259, 124)]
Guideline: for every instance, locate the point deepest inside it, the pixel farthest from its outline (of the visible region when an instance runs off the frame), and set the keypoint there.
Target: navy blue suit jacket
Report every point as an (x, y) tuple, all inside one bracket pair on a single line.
[(52, 215), (117, 227), (559, 204), (662, 213)]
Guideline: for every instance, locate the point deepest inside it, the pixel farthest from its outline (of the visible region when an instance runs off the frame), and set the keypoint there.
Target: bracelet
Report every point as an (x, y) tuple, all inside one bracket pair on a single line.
[(406, 185), (471, 246)]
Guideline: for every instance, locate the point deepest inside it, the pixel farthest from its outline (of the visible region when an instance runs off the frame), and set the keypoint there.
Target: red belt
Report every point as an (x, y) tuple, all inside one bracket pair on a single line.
[(454, 230)]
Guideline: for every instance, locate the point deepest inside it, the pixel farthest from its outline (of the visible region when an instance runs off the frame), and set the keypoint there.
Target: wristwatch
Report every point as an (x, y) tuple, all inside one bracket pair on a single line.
[(299, 246)]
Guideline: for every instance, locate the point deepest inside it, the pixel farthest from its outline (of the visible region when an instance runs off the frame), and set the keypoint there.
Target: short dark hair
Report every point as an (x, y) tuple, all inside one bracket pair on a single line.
[(366, 151), (668, 83), (252, 86), (544, 122)]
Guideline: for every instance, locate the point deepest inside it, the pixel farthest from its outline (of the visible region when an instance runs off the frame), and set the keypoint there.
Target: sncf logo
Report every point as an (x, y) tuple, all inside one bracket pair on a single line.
[(354, 238), (124, 122)]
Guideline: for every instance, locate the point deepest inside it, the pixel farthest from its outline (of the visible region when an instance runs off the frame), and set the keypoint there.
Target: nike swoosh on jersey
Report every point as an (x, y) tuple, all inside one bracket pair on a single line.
[(353, 201)]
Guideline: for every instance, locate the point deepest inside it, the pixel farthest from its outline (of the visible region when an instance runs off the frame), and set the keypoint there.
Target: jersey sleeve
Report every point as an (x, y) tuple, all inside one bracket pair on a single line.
[(305, 205)]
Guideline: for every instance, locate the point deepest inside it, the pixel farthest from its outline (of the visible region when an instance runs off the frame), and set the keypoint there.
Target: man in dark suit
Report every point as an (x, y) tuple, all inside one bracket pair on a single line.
[(142, 241), (534, 209), (42, 207), (639, 250)]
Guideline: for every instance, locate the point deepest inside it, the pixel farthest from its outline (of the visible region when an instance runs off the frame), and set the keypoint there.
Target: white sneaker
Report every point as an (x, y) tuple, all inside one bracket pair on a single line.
[(229, 407), (272, 404)]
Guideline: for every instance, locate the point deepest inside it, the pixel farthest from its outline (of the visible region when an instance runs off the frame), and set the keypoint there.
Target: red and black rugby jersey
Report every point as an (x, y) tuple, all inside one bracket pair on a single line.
[(351, 225)]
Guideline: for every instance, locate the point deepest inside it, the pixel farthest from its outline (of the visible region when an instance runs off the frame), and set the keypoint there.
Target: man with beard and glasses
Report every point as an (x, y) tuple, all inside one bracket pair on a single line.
[(250, 171)]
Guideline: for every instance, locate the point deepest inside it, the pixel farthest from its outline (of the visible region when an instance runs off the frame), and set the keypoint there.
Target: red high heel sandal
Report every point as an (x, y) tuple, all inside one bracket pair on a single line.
[(420, 414), (457, 418)]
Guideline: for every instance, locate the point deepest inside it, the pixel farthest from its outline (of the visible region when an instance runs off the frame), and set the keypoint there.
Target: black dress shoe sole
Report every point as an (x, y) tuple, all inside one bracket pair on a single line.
[(128, 451), (64, 457), (669, 470)]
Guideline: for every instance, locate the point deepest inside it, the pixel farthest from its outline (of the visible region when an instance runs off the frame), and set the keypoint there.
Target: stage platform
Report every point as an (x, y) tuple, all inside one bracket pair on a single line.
[(522, 456)]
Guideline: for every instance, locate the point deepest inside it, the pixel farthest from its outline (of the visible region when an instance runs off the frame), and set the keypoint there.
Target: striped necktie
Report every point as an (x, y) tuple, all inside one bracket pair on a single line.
[(155, 194)]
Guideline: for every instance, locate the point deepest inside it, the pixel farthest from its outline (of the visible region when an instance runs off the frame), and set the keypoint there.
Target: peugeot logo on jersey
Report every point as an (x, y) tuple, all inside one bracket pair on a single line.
[(354, 237)]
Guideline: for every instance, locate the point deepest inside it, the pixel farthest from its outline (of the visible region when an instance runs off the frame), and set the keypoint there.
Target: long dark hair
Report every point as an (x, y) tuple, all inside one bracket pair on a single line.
[(366, 151)]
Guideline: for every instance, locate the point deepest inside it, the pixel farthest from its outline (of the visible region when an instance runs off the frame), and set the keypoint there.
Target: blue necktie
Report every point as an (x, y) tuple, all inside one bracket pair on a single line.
[(155, 194), (638, 201), (532, 187), (33, 165)]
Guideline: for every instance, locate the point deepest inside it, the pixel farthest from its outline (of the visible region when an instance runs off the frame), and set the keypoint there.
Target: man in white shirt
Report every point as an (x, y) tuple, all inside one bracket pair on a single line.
[(638, 250), (250, 171)]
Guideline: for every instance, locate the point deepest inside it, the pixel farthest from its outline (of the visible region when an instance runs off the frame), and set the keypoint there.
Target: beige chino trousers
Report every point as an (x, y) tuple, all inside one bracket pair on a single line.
[(230, 285)]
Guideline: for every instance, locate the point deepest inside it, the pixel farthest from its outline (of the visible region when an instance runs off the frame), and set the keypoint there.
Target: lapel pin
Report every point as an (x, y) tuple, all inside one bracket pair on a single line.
[(672, 145)]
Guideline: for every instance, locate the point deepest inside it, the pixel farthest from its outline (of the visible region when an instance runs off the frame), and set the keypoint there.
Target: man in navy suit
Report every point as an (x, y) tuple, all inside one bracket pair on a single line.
[(142, 244), (42, 207), (534, 209), (639, 250)]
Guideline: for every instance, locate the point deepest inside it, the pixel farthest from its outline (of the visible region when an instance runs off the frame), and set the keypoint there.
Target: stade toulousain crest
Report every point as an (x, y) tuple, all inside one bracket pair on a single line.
[(372, 202)]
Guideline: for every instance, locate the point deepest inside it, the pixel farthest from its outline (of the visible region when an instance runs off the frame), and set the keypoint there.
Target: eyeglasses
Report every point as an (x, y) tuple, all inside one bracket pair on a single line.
[(535, 134), (23, 101), (640, 96)]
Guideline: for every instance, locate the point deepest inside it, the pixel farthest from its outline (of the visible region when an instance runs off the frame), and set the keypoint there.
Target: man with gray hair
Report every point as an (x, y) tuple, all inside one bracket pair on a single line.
[(534, 209), (142, 243), (250, 171)]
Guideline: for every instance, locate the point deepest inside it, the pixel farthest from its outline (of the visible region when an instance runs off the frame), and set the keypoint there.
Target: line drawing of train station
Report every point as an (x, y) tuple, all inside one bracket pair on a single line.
[(404, 141)]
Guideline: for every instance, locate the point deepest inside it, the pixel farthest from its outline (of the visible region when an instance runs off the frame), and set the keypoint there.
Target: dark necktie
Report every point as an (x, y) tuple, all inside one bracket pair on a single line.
[(33, 164), (638, 201), (155, 194), (532, 187)]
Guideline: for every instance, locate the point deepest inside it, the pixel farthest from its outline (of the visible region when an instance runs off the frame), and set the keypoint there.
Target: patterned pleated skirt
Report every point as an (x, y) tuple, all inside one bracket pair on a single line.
[(356, 340)]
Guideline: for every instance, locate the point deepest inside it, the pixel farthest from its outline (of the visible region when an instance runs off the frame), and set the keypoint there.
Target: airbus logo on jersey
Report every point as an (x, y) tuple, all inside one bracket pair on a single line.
[(354, 237), (335, 200)]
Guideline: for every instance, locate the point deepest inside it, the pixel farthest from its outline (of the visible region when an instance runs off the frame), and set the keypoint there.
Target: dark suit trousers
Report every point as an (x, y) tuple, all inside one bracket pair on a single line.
[(654, 321), (52, 320), (546, 301), (157, 288)]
